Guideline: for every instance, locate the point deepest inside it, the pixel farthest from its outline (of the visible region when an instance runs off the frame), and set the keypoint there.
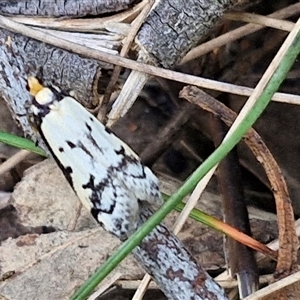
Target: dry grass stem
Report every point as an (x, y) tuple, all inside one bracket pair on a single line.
[(142, 288), (135, 26), (189, 149), (261, 20), (264, 79), (130, 64)]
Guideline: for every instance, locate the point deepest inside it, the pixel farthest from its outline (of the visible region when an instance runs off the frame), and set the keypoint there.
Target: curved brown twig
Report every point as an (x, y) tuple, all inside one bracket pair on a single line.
[(287, 253)]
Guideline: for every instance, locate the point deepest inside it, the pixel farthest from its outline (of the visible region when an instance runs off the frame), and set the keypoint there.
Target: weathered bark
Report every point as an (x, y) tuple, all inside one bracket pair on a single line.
[(62, 8), (175, 271), (22, 57), (175, 27)]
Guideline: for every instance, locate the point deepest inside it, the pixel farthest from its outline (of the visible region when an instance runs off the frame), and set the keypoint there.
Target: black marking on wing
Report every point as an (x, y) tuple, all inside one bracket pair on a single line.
[(97, 190), (61, 149), (81, 146), (58, 95), (127, 160), (71, 145), (95, 212), (90, 184), (108, 130), (67, 172), (94, 143), (121, 151), (118, 222), (88, 127), (154, 190), (43, 111)]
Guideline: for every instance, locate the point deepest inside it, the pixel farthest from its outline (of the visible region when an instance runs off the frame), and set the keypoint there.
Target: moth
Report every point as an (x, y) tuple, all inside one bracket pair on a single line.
[(105, 173)]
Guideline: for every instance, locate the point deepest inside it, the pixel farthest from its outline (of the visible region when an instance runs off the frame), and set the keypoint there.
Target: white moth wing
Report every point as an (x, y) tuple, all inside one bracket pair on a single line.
[(105, 173)]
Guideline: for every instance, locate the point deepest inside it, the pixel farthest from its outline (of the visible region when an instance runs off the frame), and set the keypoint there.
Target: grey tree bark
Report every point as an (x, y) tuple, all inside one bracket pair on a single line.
[(62, 8)]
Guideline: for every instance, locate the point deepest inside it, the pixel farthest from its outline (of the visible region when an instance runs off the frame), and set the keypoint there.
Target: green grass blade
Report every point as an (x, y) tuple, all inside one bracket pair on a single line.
[(19, 142)]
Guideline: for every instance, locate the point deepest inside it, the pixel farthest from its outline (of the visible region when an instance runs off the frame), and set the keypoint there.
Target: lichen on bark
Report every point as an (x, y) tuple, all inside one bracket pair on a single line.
[(175, 271)]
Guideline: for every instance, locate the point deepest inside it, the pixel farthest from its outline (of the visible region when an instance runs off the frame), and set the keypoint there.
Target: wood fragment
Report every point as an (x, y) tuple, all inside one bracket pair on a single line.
[(174, 27), (241, 258)]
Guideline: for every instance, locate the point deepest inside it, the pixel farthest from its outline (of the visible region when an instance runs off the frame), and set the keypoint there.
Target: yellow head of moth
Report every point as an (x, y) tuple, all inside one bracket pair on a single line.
[(34, 86), (42, 94)]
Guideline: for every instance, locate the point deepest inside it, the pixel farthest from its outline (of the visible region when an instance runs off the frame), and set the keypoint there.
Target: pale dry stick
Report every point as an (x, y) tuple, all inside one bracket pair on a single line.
[(105, 285), (103, 41), (131, 64), (191, 203), (79, 25), (264, 80), (128, 95), (261, 20), (141, 289), (13, 161), (191, 151), (134, 284), (238, 33), (53, 251), (136, 24), (226, 284), (277, 286)]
